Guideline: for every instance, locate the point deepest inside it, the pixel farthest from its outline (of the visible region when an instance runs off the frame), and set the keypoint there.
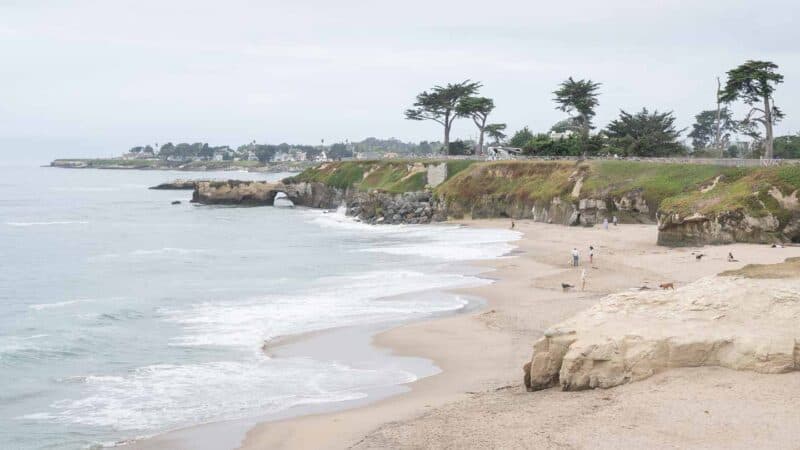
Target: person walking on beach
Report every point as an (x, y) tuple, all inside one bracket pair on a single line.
[(615, 221), (576, 257), (591, 254), (583, 279), (605, 223), (512, 224)]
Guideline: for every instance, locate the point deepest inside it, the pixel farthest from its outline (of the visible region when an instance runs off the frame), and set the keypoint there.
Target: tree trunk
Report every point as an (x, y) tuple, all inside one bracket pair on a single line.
[(481, 130), (718, 131), (446, 140), (585, 126), (447, 124), (768, 126)]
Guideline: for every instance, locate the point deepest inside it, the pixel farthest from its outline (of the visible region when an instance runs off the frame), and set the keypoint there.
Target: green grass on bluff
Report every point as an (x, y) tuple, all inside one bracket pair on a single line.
[(680, 188), (387, 176)]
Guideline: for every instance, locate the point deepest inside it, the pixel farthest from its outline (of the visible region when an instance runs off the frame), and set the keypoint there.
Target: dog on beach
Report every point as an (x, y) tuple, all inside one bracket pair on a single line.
[(666, 286), (565, 287), (699, 256)]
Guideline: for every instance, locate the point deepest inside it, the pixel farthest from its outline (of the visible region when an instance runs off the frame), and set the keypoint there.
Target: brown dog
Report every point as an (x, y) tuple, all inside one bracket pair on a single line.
[(666, 286)]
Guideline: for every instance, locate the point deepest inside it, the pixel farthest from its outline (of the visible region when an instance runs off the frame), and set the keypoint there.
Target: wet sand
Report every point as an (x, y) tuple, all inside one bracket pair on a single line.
[(478, 400)]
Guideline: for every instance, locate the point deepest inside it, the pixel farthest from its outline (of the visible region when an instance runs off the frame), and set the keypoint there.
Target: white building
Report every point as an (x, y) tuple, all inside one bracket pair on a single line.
[(497, 153), (559, 136), (322, 157), (283, 157)]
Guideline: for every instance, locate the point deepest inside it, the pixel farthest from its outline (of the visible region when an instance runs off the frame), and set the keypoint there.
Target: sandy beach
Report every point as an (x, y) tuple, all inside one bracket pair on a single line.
[(479, 401)]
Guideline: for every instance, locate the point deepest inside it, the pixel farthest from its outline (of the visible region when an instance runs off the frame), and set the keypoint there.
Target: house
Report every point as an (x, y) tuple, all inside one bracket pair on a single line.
[(251, 156), (559, 136), (322, 157), (283, 157), (390, 155), (368, 155)]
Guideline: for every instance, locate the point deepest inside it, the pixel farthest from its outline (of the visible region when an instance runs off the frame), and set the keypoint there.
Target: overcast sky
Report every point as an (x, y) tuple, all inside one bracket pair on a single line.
[(97, 77)]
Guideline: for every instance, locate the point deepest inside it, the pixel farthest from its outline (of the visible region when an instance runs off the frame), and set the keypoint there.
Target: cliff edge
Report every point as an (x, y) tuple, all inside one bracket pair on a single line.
[(692, 204)]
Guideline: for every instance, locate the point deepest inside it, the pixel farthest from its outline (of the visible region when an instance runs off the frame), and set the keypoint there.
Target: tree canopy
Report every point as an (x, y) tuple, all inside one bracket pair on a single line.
[(578, 97), (787, 146), (645, 133), (754, 83), (477, 109), (704, 130), (495, 132), (520, 138), (439, 105)]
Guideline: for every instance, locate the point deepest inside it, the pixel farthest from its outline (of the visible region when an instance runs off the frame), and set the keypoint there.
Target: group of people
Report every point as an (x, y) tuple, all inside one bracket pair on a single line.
[(614, 220), (576, 256), (576, 261)]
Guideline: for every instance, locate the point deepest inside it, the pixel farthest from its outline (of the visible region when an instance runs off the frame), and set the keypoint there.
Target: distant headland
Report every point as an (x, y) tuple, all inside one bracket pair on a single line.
[(251, 156)]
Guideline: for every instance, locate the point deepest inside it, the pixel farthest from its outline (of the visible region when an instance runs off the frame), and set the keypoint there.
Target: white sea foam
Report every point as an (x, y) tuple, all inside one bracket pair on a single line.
[(445, 242), (167, 251), (363, 298), (57, 222), (164, 396), (41, 306)]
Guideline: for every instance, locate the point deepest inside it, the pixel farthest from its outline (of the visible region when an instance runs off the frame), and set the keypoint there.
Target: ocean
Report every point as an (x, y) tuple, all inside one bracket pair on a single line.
[(123, 316)]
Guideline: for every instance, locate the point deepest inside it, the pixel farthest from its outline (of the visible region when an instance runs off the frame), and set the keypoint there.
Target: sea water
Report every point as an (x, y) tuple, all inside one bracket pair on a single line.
[(123, 315)]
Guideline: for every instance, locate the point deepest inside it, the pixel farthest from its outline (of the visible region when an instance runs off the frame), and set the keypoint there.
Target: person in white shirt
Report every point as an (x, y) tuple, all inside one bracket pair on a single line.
[(576, 257)]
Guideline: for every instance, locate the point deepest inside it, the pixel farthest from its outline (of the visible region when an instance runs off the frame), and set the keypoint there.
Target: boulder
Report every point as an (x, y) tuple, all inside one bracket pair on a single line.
[(728, 321)]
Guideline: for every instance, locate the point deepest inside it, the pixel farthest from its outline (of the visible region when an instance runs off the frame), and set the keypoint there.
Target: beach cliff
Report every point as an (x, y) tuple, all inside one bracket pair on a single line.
[(692, 204)]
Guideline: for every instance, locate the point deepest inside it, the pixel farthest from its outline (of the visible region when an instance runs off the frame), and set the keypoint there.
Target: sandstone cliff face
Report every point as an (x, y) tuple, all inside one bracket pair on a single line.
[(705, 205), (734, 322), (723, 228), (316, 195), (629, 208), (235, 192), (780, 223), (371, 207)]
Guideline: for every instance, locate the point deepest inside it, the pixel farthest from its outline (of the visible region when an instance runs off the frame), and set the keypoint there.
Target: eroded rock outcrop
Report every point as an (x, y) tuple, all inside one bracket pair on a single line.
[(728, 321), (722, 228), (380, 207), (236, 192), (178, 184)]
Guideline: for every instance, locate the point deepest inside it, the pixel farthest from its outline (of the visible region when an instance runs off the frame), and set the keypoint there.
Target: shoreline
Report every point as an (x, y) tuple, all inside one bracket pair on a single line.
[(196, 166), (481, 354), (326, 344)]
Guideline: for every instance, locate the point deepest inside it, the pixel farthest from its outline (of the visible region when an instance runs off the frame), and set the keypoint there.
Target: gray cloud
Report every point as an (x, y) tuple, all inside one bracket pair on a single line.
[(125, 72)]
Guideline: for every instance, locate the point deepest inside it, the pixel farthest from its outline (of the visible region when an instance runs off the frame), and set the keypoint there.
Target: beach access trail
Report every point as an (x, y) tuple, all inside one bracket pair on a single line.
[(479, 401)]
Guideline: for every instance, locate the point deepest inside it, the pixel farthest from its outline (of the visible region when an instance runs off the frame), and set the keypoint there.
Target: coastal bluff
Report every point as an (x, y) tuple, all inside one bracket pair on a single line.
[(691, 204), (743, 320)]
